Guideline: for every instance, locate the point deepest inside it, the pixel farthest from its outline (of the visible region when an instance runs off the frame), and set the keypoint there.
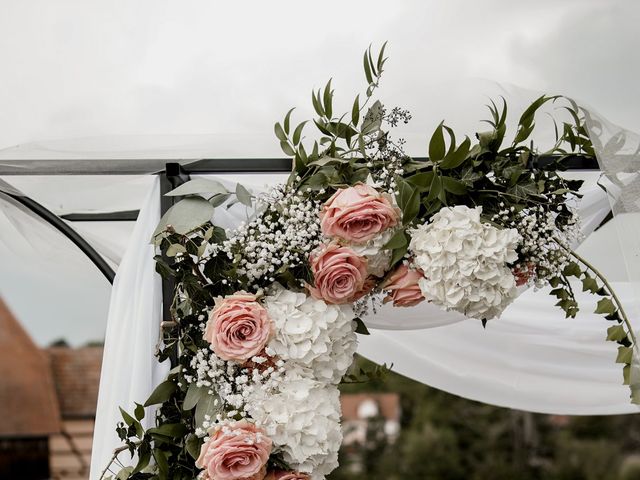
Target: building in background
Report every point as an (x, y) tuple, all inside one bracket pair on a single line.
[(360, 410), (48, 405), (76, 376), (28, 403)]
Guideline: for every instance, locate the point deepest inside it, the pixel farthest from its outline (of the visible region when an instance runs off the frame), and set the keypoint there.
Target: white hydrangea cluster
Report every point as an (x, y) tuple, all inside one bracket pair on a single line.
[(544, 245), (378, 258), (303, 421), (465, 262), (283, 235), (311, 334)]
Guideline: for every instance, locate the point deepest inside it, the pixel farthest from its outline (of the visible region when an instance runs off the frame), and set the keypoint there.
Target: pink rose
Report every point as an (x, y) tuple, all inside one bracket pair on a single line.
[(240, 453), (238, 327), (403, 287), (282, 475), (357, 214), (524, 274), (340, 276)]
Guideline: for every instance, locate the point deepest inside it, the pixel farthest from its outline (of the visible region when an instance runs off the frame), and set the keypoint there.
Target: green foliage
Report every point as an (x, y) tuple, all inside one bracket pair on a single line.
[(446, 437)]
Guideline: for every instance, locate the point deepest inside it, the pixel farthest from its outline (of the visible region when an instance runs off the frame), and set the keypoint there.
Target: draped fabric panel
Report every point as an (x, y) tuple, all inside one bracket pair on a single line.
[(130, 370)]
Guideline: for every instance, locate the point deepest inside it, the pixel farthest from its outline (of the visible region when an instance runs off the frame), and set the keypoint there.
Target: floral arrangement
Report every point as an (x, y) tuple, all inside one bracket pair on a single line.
[(265, 317)]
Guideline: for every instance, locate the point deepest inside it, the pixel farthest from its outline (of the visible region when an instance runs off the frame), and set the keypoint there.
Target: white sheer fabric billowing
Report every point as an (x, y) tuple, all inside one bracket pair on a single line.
[(618, 153), (130, 370)]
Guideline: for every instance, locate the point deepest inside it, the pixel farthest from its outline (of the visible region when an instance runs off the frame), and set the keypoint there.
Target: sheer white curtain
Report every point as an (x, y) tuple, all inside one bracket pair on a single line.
[(129, 369)]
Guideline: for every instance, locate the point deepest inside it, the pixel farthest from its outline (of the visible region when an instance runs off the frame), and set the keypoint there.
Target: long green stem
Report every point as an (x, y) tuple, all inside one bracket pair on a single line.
[(611, 291)]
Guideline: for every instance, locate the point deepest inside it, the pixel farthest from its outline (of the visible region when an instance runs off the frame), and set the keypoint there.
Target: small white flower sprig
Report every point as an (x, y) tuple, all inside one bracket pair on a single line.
[(277, 241)]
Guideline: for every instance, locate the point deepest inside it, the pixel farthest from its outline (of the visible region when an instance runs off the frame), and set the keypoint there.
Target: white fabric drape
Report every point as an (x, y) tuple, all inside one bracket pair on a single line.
[(129, 369)]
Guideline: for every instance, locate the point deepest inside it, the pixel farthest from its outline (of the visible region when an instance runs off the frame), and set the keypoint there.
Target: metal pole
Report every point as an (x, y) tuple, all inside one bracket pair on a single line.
[(68, 232)]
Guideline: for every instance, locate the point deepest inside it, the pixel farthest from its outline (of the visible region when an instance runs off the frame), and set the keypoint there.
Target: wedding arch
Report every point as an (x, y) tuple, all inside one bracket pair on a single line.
[(526, 360)]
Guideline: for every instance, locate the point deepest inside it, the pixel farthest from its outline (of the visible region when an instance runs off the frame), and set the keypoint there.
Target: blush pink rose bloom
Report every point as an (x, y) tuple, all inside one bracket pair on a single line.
[(402, 287), (238, 327), (340, 275), (238, 454), (282, 475), (357, 214)]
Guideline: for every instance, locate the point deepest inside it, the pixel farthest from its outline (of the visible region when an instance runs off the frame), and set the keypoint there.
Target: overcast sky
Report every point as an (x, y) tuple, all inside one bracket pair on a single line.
[(139, 77)]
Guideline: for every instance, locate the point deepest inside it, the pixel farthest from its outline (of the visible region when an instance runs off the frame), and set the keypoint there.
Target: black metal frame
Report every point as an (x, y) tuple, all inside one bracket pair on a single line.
[(211, 165), (172, 174), (68, 232)]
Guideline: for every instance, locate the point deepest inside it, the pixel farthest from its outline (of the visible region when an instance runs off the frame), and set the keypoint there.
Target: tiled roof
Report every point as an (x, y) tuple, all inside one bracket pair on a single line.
[(76, 374), (388, 404), (27, 396)]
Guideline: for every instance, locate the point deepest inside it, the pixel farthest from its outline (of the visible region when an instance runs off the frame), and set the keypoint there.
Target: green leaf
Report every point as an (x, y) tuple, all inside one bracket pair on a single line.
[(605, 305), (469, 176), (372, 119), (279, 131), (208, 405), (453, 186), (193, 445), (328, 97), (186, 215), (572, 269), (316, 103), (408, 199), (162, 393), (287, 149), (297, 133), (139, 411), (381, 58), (124, 474), (128, 419), (193, 396), (144, 456), (457, 158), (355, 111), (174, 249), (616, 333), (323, 161), (244, 196), (436, 144), (173, 430), (361, 328), (625, 355), (160, 457), (398, 240), (287, 120), (398, 254), (590, 284), (219, 199), (367, 69), (523, 190), (421, 180), (197, 185), (435, 188)]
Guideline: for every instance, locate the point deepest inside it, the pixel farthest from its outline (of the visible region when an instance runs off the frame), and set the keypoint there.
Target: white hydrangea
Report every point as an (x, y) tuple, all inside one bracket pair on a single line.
[(303, 421), (311, 334), (465, 262), (378, 259)]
